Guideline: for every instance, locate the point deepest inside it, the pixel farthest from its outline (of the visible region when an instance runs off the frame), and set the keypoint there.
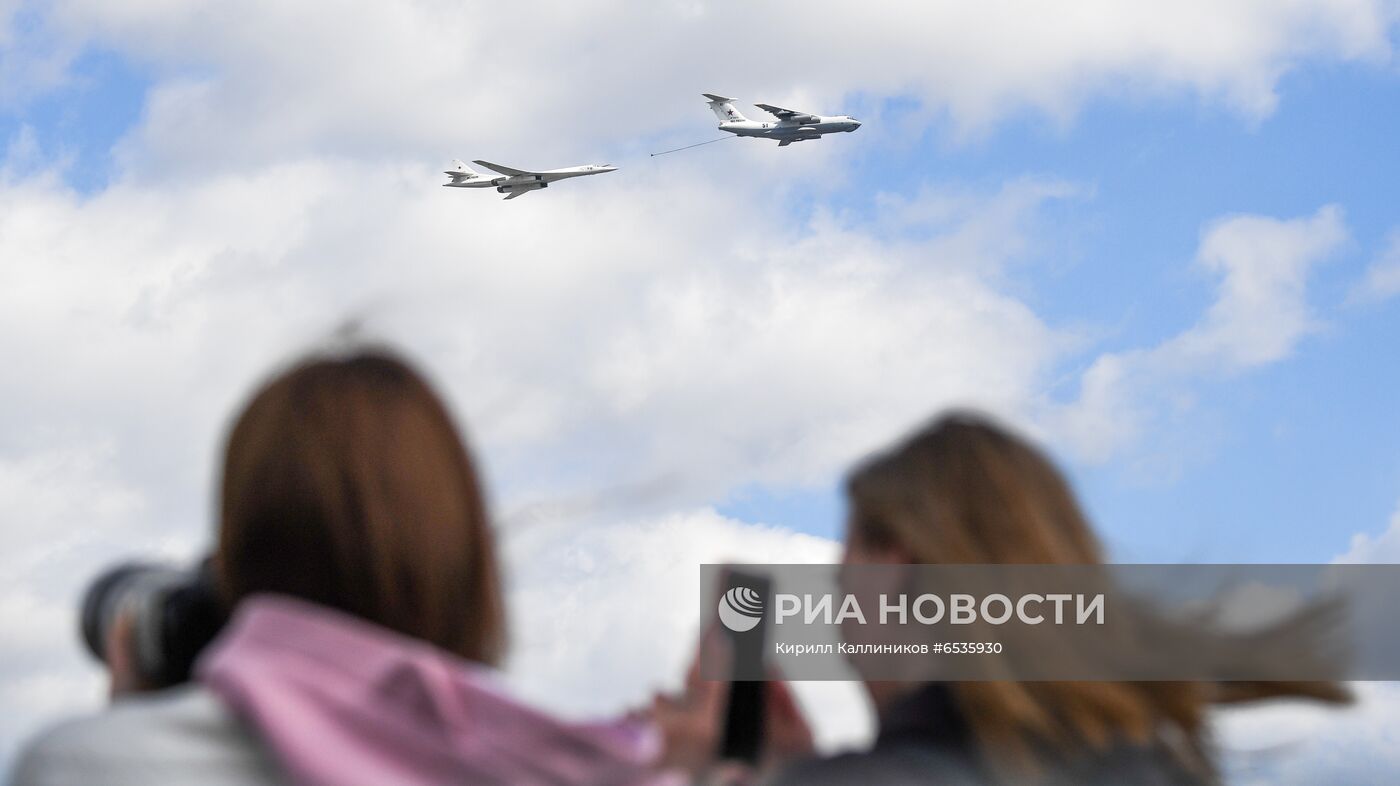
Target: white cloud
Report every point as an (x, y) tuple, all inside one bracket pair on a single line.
[(1261, 309), (64, 516), (1259, 315), (46, 674), (1382, 279), (272, 81), (605, 612), (1300, 744), (1383, 548), (143, 314), (652, 317)]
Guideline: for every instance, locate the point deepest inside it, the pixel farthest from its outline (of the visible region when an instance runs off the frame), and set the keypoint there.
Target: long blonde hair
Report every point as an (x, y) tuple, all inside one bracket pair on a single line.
[(964, 490)]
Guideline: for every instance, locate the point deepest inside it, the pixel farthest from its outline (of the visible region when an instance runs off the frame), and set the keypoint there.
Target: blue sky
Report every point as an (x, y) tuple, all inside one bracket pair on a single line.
[(189, 193), (1278, 464), (84, 118)]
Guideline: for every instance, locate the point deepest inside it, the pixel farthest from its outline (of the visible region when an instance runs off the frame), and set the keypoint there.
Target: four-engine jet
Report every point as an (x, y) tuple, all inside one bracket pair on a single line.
[(516, 181), (792, 126)]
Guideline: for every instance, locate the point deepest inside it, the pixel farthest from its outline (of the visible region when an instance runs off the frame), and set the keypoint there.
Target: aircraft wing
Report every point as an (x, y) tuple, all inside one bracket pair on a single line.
[(514, 194), (505, 170), (783, 114)]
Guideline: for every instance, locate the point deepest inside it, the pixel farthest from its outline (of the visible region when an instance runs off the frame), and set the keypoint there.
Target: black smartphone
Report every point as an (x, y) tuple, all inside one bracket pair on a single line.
[(749, 596)]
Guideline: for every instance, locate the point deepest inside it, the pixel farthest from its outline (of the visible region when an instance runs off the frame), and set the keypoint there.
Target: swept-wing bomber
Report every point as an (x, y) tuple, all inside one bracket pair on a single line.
[(514, 182)]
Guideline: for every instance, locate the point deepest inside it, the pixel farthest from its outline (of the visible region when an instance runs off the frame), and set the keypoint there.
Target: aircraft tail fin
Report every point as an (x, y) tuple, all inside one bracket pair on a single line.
[(460, 173), (724, 108), (458, 166)]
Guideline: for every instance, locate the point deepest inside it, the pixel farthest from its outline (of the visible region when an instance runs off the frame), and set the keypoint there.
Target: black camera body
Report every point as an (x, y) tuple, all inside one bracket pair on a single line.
[(174, 614)]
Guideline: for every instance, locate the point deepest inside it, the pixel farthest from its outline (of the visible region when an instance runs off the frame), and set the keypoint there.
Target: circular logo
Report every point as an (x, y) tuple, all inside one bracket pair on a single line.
[(740, 609)]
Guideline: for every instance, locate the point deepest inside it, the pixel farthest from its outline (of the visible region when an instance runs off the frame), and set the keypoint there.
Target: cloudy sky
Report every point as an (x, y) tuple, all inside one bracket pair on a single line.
[(1163, 238)]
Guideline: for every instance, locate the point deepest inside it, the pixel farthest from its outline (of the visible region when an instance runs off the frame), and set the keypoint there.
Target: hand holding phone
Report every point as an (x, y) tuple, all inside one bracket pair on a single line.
[(745, 710), (746, 722)]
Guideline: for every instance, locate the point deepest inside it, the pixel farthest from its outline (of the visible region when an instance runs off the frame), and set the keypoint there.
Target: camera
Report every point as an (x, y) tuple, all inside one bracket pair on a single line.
[(174, 613)]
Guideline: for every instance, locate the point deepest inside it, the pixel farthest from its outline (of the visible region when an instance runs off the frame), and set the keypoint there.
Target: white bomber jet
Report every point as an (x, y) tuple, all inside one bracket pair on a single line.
[(792, 126), (516, 182)]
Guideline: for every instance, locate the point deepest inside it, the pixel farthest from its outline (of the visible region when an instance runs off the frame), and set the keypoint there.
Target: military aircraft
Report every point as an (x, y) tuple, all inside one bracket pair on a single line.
[(792, 125), (516, 182)]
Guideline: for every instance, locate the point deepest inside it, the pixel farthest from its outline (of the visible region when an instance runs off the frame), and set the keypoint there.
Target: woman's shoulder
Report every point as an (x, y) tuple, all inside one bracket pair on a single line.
[(180, 735)]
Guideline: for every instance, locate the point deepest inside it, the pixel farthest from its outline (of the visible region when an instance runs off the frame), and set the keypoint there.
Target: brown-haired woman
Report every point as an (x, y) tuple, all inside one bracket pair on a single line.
[(964, 490), (355, 551)]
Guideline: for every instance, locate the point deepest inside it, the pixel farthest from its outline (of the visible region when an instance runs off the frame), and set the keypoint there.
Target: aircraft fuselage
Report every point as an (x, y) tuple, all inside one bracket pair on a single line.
[(791, 129), (516, 182)]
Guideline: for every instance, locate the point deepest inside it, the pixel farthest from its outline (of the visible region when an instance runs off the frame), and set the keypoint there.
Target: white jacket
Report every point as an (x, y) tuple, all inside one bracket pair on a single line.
[(181, 736)]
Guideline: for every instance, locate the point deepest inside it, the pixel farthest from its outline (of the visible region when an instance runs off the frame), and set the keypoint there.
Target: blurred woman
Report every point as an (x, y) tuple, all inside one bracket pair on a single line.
[(355, 552), (964, 491)]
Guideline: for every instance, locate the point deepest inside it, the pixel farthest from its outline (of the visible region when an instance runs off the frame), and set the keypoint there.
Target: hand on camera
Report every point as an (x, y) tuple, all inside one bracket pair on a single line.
[(125, 678)]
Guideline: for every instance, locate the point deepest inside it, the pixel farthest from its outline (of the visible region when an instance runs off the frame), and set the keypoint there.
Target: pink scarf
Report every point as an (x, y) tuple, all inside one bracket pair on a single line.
[(342, 701)]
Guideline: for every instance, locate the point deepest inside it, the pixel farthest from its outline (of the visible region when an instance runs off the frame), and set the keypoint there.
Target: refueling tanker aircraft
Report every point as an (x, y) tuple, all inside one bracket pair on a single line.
[(792, 126), (516, 181)]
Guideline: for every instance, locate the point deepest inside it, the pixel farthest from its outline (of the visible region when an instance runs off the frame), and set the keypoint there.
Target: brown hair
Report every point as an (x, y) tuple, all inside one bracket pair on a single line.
[(346, 484), (966, 491)]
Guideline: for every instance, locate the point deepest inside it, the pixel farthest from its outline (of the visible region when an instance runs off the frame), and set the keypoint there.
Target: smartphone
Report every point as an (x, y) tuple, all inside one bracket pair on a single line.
[(745, 710)]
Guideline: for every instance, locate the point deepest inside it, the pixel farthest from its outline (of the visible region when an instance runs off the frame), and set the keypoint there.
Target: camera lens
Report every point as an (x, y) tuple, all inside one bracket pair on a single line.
[(99, 607), (140, 585)]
